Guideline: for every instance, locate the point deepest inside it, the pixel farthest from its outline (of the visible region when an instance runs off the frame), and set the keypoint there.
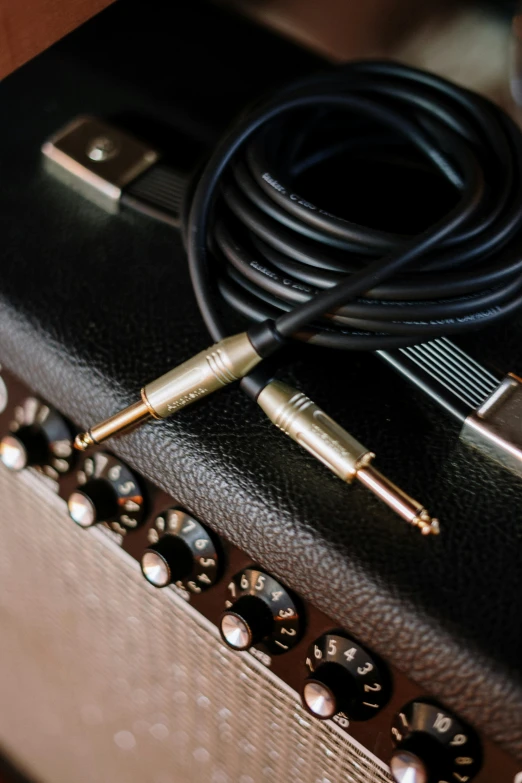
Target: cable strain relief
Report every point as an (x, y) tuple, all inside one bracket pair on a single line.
[(254, 383), (265, 338)]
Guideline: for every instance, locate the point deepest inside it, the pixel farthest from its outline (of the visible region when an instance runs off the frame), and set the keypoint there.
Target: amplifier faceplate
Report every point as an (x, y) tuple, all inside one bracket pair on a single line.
[(103, 677)]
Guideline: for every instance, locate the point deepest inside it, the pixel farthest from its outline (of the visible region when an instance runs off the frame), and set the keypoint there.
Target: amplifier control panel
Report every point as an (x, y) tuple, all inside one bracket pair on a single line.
[(337, 676)]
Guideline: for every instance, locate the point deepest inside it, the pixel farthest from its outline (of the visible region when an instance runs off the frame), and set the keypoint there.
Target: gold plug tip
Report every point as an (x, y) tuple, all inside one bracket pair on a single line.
[(427, 525), (405, 506), (115, 425), (82, 441)]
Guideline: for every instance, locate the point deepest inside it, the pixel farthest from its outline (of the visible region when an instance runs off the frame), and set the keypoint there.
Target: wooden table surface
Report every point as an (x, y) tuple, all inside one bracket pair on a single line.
[(27, 27)]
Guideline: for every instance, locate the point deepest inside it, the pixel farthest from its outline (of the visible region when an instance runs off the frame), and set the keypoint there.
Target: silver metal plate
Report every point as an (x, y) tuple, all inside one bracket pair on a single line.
[(97, 159), (496, 427)]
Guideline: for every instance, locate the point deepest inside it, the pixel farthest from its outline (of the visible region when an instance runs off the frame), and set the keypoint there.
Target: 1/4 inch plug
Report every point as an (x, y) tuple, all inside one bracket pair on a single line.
[(221, 364), (303, 421)]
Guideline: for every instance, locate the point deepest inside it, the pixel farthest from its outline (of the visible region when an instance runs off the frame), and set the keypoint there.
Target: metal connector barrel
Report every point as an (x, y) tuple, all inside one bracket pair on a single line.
[(303, 421), (221, 364)]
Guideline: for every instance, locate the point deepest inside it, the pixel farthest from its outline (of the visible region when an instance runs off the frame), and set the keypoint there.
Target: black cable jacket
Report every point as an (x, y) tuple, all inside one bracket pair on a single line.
[(270, 253)]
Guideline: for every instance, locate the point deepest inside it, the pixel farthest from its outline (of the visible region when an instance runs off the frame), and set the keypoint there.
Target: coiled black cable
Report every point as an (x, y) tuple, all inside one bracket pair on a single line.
[(273, 254)]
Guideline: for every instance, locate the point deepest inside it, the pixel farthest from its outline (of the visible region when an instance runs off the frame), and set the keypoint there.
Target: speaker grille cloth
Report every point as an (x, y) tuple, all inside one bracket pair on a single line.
[(104, 678)]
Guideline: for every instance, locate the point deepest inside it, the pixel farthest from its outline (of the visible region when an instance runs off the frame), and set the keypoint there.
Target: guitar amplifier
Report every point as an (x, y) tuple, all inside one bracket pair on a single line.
[(200, 601)]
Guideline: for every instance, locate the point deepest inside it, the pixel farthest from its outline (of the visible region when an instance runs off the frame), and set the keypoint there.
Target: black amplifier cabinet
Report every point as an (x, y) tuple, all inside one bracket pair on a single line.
[(106, 677)]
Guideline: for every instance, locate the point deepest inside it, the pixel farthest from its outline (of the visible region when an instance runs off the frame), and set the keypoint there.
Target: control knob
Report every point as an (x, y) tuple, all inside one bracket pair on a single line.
[(261, 611), (433, 746), (345, 681), (108, 492), (181, 552), (38, 437)]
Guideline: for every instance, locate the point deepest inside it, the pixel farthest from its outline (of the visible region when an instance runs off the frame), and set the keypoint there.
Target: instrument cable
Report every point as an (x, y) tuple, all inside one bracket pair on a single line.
[(300, 271), (332, 282)]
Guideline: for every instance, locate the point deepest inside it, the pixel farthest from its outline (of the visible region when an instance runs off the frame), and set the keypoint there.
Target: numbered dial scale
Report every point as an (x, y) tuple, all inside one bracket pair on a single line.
[(39, 437), (108, 492), (345, 681), (433, 746), (182, 552), (260, 610)]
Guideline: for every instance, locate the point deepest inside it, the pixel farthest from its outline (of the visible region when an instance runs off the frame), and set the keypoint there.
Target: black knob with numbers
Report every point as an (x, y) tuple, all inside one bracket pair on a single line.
[(260, 611), (181, 552), (108, 492), (433, 746), (38, 437), (345, 680)]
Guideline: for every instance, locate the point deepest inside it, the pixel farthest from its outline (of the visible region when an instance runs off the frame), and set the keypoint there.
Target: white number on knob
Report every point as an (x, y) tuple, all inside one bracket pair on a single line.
[(244, 581), (260, 582), (375, 687), (3, 396), (332, 647), (350, 654), (442, 723), (61, 448), (127, 488), (460, 739), (193, 586), (131, 505), (366, 669)]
